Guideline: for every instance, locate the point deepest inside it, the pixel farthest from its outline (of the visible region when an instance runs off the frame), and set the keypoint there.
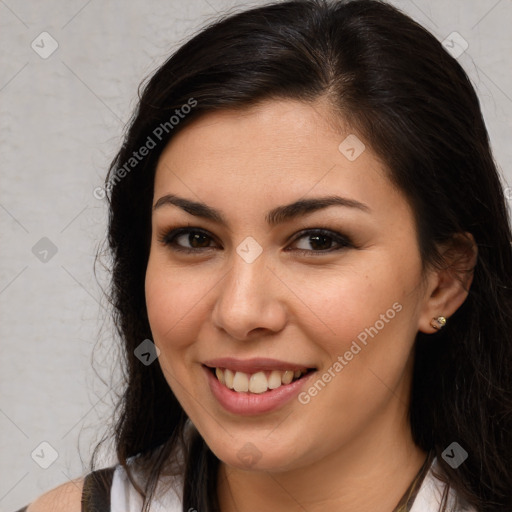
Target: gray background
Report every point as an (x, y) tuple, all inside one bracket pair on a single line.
[(61, 123)]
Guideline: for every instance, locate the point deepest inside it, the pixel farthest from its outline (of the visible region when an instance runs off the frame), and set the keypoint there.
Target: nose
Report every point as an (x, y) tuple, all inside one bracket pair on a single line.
[(250, 301)]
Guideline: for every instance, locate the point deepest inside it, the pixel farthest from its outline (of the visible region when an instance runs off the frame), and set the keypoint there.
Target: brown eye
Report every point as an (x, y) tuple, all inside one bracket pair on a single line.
[(321, 241), (178, 239), (316, 241), (195, 239)]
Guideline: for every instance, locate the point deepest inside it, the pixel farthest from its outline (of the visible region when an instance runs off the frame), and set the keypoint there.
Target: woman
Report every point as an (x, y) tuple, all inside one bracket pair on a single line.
[(311, 276)]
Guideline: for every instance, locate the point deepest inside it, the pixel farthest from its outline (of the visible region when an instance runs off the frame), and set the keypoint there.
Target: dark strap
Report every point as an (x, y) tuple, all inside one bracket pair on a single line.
[(96, 491)]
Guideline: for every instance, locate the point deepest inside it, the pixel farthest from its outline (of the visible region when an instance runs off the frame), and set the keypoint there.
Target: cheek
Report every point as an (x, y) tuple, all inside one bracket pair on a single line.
[(375, 320), (373, 300), (173, 300)]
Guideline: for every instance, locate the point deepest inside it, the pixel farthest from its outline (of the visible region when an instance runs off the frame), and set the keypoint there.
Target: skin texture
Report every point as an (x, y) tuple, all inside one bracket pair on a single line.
[(350, 447), (65, 498)]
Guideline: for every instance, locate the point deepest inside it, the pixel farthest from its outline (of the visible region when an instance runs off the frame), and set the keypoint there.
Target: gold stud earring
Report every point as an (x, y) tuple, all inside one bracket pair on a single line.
[(438, 323)]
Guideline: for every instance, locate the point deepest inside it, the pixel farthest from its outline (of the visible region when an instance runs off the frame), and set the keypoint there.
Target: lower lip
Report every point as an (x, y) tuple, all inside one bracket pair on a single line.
[(249, 404)]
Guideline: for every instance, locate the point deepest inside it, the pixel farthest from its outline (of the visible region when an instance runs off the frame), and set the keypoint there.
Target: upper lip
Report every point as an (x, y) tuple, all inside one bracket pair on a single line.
[(257, 364)]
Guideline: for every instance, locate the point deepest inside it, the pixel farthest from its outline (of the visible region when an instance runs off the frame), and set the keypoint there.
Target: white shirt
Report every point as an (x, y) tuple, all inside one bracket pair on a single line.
[(124, 497)]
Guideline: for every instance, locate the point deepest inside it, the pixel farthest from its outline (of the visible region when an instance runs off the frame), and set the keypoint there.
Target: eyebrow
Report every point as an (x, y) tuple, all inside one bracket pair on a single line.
[(274, 217)]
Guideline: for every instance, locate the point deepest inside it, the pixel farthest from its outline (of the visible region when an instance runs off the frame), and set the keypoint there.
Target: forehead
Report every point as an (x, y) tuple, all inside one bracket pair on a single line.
[(277, 151)]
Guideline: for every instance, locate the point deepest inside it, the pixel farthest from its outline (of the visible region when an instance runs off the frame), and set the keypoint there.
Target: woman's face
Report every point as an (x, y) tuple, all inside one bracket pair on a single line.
[(265, 297)]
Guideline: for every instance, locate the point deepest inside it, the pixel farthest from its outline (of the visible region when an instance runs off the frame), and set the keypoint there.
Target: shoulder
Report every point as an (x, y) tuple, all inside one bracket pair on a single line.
[(91, 492), (64, 498)]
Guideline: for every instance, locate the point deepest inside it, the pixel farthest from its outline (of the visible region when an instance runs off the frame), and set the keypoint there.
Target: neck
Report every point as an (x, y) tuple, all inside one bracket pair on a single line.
[(371, 473)]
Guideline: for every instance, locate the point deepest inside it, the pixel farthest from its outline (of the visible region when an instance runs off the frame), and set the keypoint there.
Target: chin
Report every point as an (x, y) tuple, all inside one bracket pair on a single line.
[(251, 453)]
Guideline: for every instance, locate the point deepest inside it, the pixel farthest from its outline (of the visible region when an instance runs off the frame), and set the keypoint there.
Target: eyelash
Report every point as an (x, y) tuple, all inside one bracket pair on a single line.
[(168, 239)]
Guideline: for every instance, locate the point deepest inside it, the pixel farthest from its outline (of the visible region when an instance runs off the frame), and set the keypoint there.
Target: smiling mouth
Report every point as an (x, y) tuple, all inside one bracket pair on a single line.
[(259, 382)]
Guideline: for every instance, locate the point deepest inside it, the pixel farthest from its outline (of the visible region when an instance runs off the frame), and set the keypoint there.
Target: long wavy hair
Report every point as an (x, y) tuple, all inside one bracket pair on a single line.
[(395, 84)]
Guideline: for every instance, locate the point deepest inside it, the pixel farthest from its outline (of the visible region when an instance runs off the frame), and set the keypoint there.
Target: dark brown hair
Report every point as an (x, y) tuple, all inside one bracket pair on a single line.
[(395, 84)]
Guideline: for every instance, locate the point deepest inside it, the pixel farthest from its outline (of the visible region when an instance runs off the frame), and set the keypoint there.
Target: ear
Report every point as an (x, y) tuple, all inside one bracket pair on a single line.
[(448, 287)]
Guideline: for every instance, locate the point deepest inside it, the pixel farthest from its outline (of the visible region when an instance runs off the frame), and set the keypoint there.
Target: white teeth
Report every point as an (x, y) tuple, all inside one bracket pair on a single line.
[(287, 377), (241, 382), (228, 378), (274, 380), (258, 382)]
